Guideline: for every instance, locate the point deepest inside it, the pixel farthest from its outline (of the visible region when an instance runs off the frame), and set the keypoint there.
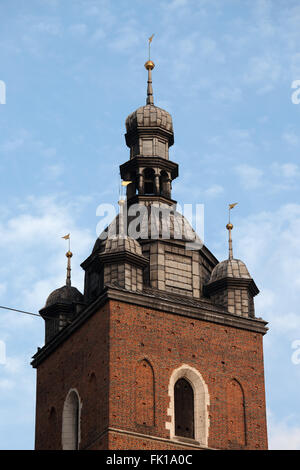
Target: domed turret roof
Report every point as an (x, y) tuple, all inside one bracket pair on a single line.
[(233, 268), (65, 294), (120, 243), (149, 116)]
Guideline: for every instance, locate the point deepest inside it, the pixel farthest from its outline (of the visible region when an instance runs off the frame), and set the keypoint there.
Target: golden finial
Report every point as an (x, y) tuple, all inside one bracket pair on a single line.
[(229, 227), (149, 65), (69, 255)]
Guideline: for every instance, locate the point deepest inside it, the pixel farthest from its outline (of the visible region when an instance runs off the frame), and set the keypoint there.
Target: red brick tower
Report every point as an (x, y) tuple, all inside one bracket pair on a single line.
[(163, 350)]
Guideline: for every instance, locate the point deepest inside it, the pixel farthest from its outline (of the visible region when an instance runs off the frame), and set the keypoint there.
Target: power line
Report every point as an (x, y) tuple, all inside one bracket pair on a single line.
[(23, 311)]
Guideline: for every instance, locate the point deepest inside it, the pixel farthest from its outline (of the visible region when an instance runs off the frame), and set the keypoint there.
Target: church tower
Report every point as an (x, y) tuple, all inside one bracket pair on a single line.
[(163, 349)]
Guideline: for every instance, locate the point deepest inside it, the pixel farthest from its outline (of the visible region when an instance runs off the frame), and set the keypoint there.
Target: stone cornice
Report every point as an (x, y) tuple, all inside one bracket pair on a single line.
[(211, 259), (188, 307), (97, 260), (232, 282), (56, 309), (150, 162), (137, 199), (123, 257), (131, 137), (179, 305)]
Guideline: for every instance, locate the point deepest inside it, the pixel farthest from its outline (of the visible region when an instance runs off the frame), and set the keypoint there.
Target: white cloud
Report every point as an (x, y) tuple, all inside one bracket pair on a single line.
[(175, 4), (48, 152), (49, 26), (232, 94), (126, 38), (250, 176), (282, 434), (54, 171), (3, 287), (26, 141), (34, 234), (208, 48), (98, 35), (286, 170), (6, 384), (290, 138), (79, 29), (269, 244), (214, 190), (263, 72), (14, 365), (12, 145)]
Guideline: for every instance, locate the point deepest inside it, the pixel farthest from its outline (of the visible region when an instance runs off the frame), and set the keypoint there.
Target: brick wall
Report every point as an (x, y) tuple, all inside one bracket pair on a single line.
[(81, 362), (103, 359), (167, 341)]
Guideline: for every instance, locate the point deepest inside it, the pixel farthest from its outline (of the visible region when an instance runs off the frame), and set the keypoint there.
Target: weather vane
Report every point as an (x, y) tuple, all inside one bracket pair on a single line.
[(149, 65), (150, 40), (69, 255), (229, 227), (231, 206)]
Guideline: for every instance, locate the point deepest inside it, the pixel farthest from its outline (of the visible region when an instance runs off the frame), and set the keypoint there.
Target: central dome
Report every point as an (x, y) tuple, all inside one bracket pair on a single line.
[(177, 228)]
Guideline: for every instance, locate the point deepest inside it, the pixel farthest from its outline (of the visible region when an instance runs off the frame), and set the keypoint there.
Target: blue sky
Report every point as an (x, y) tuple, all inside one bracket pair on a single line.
[(73, 71)]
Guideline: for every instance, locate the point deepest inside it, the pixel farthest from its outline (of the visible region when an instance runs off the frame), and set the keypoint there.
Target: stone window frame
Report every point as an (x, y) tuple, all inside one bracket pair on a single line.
[(201, 404), (67, 421)]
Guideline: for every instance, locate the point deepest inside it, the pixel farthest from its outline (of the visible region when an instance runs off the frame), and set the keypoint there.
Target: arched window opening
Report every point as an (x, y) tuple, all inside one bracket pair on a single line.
[(132, 188), (164, 184), (184, 409), (144, 394), (236, 414), (149, 181), (188, 406), (71, 422)]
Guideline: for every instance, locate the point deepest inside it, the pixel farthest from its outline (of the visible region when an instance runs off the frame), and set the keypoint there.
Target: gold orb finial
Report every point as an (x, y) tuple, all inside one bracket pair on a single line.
[(149, 65), (229, 226), (69, 254)]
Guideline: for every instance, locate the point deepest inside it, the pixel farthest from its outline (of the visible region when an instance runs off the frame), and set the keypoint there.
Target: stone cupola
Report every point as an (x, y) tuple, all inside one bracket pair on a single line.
[(231, 285), (62, 305), (116, 259), (149, 135)]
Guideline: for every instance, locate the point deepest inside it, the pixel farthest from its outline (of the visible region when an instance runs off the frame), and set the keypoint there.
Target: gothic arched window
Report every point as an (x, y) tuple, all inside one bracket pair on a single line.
[(184, 409), (236, 414), (71, 422), (144, 394)]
